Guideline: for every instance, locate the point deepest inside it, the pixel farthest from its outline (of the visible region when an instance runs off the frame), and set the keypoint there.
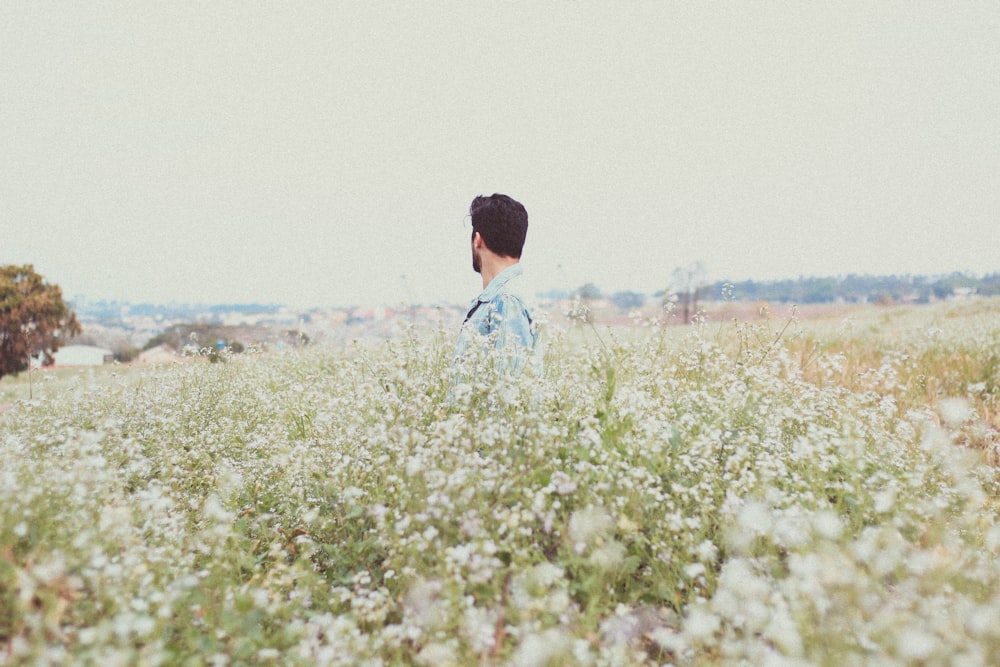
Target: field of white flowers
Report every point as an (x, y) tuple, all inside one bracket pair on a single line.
[(716, 494)]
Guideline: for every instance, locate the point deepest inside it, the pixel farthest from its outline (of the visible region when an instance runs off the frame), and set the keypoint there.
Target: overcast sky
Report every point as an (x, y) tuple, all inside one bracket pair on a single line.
[(326, 153)]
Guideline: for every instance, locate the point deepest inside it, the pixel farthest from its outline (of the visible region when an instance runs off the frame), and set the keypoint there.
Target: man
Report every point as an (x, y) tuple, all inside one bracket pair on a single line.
[(502, 321)]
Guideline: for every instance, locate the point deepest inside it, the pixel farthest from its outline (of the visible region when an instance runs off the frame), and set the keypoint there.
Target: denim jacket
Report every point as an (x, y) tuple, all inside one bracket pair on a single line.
[(503, 316)]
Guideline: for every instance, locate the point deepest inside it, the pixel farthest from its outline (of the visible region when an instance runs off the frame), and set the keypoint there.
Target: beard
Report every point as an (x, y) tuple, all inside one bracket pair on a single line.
[(477, 262)]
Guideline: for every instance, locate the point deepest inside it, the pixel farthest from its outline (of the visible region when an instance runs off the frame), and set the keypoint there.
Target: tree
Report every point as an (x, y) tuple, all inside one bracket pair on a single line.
[(34, 319), (589, 292), (946, 287), (688, 285), (628, 300)]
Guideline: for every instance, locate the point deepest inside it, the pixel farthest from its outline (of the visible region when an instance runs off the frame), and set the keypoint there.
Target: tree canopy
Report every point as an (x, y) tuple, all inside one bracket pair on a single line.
[(34, 319)]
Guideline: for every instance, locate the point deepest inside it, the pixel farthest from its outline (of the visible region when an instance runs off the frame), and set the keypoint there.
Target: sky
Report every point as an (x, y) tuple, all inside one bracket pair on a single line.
[(326, 153)]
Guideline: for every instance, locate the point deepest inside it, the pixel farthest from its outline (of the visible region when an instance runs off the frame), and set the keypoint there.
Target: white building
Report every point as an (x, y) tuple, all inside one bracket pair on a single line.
[(82, 355)]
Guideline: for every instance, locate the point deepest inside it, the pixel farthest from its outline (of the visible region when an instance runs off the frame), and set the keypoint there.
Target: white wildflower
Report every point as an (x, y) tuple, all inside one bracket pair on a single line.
[(49, 570), (915, 644), (706, 551), (352, 494), (884, 500), (213, 510), (589, 524), (753, 520), (437, 654), (626, 525), (701, 625), (261, 598), (737, 575), (668, 639), (479, 628), (827, 524), (551, 646), (791, 530), (143, 626), (414, 465), (268, 654), (784, 633), (608, 557), (954, 411), (993, 538), (562, 483), (537, 580), (693, 570)]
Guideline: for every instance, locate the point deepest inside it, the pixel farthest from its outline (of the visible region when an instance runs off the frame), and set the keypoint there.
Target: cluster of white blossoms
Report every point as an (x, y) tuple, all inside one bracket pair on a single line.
[(653, 499)]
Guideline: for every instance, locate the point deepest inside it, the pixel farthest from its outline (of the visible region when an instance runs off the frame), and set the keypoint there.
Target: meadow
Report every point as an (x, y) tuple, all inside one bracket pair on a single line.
[(754, 490)]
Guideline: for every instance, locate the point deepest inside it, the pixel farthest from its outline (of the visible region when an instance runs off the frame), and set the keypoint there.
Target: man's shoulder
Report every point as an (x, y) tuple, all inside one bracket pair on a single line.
[(518, 290), (507, 301), (515, 303)]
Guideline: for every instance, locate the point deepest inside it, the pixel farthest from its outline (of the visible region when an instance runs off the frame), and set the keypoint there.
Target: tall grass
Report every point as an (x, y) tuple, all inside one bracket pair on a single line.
[(777, 492)]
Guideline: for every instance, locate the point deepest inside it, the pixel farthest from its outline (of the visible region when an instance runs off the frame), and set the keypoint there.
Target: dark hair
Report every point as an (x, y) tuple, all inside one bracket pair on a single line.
[(502, 222)]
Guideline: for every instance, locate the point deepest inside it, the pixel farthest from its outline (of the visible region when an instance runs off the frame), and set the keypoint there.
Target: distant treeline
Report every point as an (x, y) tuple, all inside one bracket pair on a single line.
[(852, 289), (110, 310), (855, 288)]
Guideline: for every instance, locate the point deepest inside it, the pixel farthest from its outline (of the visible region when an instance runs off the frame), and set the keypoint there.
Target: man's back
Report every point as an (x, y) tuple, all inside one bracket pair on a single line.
[(504, 318)]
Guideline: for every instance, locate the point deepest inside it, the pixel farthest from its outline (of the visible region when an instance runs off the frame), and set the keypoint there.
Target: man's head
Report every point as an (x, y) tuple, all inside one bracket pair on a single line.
[(502, 223)]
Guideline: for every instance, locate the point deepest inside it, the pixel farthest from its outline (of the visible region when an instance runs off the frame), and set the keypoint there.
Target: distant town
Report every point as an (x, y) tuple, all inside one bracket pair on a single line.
[(116, 331)]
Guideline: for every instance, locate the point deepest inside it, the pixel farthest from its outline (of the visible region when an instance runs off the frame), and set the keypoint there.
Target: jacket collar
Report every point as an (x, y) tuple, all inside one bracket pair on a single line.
[(498, 282)]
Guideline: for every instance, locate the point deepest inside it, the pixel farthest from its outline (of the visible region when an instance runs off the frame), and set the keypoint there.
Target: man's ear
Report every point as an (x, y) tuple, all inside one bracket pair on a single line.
[(477, 240)]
